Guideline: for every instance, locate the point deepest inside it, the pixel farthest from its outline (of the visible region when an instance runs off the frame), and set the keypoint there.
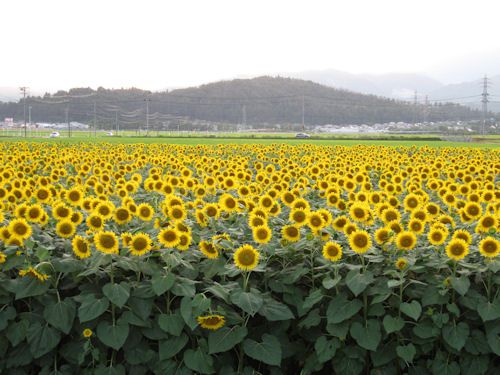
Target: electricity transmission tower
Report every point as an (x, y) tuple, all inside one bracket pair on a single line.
[(23, 90), (484, 101)]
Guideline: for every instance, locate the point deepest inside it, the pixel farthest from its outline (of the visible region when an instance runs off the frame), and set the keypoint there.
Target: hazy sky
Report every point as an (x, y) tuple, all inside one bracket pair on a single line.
[(151, 44)]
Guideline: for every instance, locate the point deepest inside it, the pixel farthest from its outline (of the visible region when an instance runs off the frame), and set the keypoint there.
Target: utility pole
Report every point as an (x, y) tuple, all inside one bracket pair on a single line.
[(95, 119), (67, 121), (147, 115), (426, 109), (415, 99), (29, 115), (484, 101), (23, 89), (303, 114), (244, 114), (116, 120)]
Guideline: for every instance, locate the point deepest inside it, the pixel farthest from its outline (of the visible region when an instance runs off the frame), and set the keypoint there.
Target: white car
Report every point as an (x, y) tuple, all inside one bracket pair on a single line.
[(302, 135), (54, 135), (109, 134)]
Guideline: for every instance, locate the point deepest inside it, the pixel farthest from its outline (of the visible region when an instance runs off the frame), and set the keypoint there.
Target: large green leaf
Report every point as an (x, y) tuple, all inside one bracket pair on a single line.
[(455, 335), (92, 308), (340, 309), (267, 351), (61, 315), (357, 282), (312, 299), (406, 352), (250, 302), (367, 335), (169, 348), (493, 337), (393, 324), (199, 361), (225, 339), (489, 311), (412, 309), (273, 310), (118, 294), (460, 284), (326, 349), (42, 339), (172, 324), (111, 335), (30, 287), (6, 314), (162, 283)]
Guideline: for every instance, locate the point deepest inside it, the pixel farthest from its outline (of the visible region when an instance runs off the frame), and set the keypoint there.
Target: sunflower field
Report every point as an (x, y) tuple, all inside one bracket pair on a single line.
[(249, 259)]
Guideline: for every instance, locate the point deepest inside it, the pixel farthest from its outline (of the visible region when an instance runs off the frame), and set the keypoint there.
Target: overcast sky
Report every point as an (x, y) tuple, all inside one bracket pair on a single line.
[(55, 44)]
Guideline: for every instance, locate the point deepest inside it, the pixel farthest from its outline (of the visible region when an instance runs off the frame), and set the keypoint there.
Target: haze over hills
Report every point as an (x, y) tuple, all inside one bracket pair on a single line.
[(261, 100)]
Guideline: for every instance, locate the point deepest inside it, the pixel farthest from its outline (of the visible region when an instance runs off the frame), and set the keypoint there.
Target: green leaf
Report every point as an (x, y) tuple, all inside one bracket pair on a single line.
[(474, 365), (329, 283), (113, 336), (393, 324), (340, 309), (184, 287), (413, 309), (118, 294), (42, 339), (493, 337), (489, 311), (267, 351), (30, 287), (199, 361), (426, 330), (312, 320), (61, 315), (407, 352), (162, 283), (326, 349), (367, 336), (357, 282), (172, 324), (92, 308), (169, 348), (312, 299), (250, 302), (6, 314), (275, 311), (455, 335), (460, 284), (225, 338)]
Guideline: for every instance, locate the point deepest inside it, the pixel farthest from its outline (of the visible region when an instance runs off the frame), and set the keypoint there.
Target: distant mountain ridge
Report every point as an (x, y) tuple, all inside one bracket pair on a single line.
[(261, 100)]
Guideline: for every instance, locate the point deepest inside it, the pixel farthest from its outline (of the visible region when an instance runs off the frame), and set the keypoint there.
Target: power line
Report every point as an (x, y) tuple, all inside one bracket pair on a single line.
[(23, 89)]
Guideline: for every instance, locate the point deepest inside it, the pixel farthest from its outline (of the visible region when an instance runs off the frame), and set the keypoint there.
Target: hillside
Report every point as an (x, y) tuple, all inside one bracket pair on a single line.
[(254, 101)]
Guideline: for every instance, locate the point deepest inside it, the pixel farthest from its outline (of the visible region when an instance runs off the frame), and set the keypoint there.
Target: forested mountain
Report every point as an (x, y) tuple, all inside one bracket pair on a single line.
[(274, 100)]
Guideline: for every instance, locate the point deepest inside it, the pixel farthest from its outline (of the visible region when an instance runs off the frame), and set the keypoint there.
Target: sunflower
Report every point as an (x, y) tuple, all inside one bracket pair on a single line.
[(34, 213), (212, 322), (473, 210), (19, 228), (87, 333), (65, 228), (411, 202), (487, 222), (291, 233), (43, 195), (360, 241), (359, 212), (332, 251), (489, 247), (169, 237), (184, 241), (340, 222), (457, 249), (228, 203), (105, 209), (262, 234), (106, 242), (95, 222), (298, 216), (74, 196), (208, 248), (145, 212), (122, 215), (437, 236), (406, 240), (76, 218), (126, 237), (140, 244), (383, 235), (315, 221), (246, 257), (81, 247), (416, 226), (463, 235), (32, 272), (177, 213), (3, 257), (390, 214), (401, 264)]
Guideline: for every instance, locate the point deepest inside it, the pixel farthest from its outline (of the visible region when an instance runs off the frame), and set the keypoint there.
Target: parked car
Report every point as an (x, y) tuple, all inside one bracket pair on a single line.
[(54, 135), (109, 134), (302, 135)]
